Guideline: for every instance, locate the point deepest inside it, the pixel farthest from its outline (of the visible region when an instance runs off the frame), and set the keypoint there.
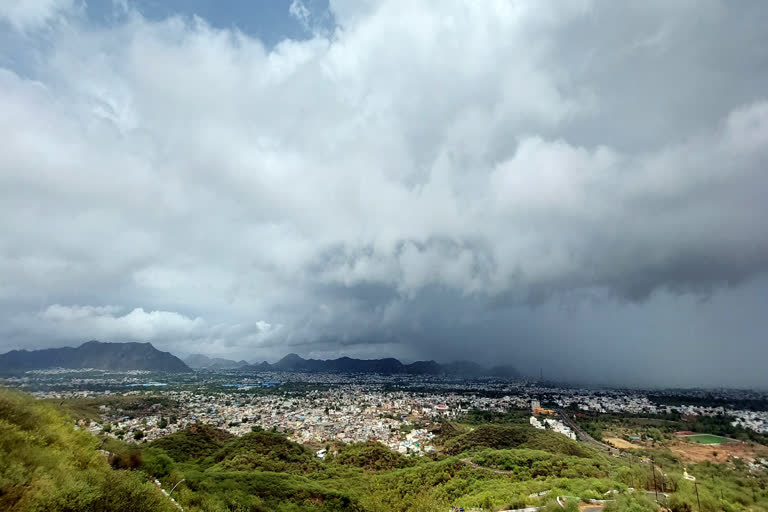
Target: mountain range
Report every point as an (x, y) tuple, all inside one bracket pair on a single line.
[(203, 362), (143, 356), (94, 354), (387, 366)]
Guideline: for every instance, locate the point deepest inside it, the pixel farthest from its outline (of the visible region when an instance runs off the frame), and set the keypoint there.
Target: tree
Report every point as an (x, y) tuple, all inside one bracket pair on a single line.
[(138, 434), (156, 462)]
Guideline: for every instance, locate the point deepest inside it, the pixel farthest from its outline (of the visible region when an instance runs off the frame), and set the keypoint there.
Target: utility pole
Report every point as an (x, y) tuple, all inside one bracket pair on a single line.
[(655, 488), (696, 486)]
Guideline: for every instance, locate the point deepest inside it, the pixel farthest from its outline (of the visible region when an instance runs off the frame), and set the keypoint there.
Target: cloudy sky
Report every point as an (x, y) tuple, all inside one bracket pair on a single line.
[(575, 185)]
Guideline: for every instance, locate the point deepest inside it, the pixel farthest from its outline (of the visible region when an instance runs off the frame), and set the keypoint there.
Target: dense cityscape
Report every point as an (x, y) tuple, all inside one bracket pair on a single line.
[(562, 444), (394, 410)]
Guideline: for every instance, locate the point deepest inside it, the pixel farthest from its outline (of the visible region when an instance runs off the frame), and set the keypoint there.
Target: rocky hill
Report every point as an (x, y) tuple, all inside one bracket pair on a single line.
[(94, 354)]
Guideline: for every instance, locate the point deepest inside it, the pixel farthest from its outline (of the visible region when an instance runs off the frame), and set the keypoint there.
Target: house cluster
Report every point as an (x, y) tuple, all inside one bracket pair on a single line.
[(315, 409), (752, 420), (316, 418), (554, 425)]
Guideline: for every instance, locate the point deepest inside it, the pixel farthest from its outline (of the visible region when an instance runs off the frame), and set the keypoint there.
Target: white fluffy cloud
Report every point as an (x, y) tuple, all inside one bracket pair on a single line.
[(27, 15), (107, 322), (58, 323), (321, 189)]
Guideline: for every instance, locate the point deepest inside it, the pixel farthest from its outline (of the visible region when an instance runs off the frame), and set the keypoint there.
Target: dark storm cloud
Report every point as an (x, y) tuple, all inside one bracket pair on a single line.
[(555, 184)]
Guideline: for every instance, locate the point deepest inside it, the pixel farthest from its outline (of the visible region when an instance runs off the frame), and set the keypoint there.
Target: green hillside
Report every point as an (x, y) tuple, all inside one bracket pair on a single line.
[(47, 465)]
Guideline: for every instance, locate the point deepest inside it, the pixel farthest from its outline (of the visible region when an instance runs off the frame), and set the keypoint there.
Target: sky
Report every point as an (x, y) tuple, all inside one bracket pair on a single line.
[(575, 186)]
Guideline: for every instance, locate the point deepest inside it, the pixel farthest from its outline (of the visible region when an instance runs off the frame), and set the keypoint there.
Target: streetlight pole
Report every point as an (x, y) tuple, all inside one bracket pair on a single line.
[(174, 487), (655, 488)]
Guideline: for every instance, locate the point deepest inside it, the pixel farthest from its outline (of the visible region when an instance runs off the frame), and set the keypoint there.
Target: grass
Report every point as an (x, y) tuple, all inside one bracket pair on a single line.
[(707, 439)]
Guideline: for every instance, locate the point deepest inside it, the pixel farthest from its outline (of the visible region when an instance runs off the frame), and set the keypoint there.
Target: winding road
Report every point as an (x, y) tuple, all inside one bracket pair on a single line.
[(584, 436)]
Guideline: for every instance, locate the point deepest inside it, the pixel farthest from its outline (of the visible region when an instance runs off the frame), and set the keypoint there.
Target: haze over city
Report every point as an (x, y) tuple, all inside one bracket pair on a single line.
[(576, 186)]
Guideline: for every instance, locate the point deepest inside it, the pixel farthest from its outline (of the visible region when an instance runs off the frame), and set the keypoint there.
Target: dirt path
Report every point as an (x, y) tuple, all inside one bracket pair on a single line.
[(621, 443), (472, 464)]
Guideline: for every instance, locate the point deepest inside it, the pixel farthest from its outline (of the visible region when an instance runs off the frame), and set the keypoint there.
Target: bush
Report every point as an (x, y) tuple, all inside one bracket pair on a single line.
[(631, 503), (156, 462)]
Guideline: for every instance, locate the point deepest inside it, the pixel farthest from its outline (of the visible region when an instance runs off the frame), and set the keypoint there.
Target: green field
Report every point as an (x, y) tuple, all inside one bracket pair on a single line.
[(707, 439)]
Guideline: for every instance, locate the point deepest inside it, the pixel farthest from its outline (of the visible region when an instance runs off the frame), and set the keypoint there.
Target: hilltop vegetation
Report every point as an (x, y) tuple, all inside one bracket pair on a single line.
[(265, 451), (47, 465), (194, 442), (371, 456), (514, 436)]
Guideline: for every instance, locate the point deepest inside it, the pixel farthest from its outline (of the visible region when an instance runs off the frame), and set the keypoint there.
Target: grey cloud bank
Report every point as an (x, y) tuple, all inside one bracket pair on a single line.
[(570, 185)]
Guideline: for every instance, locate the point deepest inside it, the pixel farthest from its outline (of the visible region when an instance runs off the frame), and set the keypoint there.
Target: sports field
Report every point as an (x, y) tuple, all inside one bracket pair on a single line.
[(707, 439)]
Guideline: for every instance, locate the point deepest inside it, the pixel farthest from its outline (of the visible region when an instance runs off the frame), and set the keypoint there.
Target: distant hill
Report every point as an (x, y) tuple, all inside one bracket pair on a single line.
[(293, 362), (94, 354), (386, 366), (203, 362), (424, 368)]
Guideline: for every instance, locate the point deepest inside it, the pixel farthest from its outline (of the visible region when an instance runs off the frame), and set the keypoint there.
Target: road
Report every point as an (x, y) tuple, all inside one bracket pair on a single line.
[(584, 436)]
